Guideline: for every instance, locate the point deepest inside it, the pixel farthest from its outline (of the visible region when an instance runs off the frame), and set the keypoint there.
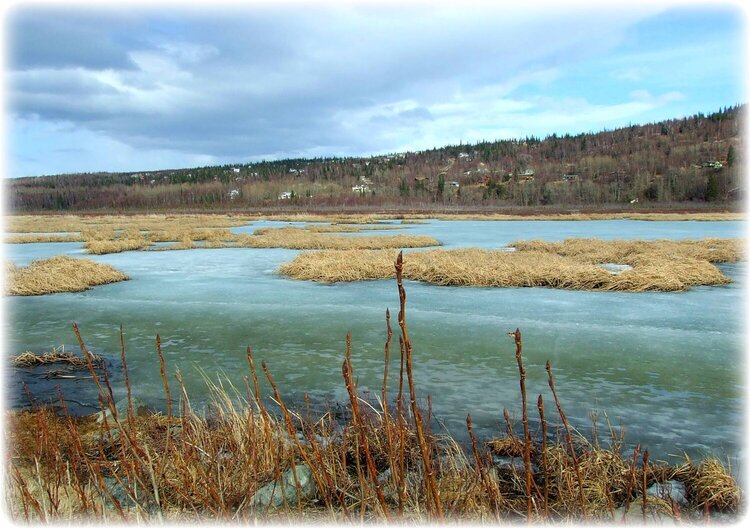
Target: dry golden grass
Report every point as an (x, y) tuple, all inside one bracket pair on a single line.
[(144, 222), (350, 228), (59, 274), (114, 234), (35, 238), (572, 264), (17, 224), (30, 359), (631, 251), (712, 483), (297, 238), (102, 247), (328, 218)]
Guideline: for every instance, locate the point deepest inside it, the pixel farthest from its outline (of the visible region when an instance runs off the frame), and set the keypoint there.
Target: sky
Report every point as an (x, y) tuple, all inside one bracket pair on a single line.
[(131, 88)]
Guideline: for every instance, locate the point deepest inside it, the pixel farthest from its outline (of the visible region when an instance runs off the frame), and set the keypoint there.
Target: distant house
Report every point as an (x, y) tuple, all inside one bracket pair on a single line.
[(527, 172), (634, 200), (454, 184), (293, 171), (569, 177), (360, 189), (286, 195), (236, 170)]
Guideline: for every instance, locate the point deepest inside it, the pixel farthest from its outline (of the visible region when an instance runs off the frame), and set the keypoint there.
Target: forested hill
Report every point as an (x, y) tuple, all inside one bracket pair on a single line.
[(694, 159)]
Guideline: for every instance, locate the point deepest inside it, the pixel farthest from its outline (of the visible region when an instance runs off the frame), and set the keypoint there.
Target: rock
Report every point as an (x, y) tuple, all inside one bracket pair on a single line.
[(385, 476), (272, 494), (139, 409), (673, 489), (322, 441), (115, 489), (506, 463)]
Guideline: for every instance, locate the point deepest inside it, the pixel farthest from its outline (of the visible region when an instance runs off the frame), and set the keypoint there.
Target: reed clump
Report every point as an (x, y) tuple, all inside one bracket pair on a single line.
[(103, 247), (574, 264), (380, 461), (59, 274), (297, 238), (33, 238), (140, 222), (711, 483), (113, 234), (350, 228), (56, 355)]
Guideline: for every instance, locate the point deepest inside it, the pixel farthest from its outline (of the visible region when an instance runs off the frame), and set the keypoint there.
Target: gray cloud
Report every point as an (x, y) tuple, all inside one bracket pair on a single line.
[(293, 79), (43, 37)]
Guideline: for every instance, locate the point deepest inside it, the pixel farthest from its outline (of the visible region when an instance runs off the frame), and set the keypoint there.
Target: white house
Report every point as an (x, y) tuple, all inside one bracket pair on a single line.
[(286, 195)]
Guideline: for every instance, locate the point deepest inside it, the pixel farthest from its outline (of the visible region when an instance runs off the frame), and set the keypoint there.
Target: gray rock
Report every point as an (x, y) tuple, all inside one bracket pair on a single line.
[(115, 489), (322, 441), (505, 463), (673, 489), (272, 495), (385, 476), (139, 409)]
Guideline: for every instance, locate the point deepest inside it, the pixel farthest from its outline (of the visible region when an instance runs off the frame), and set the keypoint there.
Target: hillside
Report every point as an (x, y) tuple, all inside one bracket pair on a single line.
[(693, 160)]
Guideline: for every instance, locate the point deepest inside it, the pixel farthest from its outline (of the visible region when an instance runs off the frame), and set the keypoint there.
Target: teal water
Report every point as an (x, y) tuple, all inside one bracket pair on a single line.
[(668, 366)]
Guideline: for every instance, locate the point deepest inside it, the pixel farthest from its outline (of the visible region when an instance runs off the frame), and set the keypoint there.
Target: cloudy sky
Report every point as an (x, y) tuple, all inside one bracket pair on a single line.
[(125, 89)]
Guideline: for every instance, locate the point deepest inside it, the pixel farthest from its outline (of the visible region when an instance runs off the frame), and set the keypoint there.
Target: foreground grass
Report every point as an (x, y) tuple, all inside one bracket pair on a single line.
[(381, 462), (659, 265), (59, 274)]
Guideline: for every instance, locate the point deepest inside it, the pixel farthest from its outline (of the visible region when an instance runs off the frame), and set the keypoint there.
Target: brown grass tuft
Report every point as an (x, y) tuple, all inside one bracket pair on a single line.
[(572, 264), (296, 238), (42, 238), (60, 274), (30, 359), (712, 485)]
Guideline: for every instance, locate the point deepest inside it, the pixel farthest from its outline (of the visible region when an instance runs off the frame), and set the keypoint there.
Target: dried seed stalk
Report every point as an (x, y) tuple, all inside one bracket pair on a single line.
[(429, 474)]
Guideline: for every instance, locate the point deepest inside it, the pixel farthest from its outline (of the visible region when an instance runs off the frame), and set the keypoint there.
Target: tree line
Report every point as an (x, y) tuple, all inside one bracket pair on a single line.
[(693, 159)]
